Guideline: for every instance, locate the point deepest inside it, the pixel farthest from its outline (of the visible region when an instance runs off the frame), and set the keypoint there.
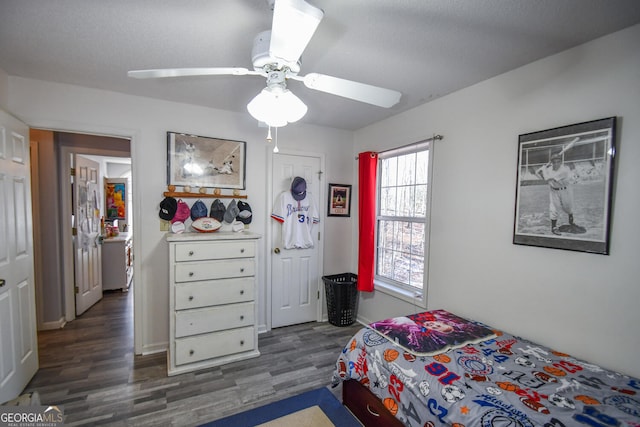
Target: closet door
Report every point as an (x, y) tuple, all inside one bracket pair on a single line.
[(18, 337), (295, 273)]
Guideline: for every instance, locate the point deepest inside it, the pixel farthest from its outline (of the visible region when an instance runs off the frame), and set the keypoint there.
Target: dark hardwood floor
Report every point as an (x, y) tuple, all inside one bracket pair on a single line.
[(89, 368)]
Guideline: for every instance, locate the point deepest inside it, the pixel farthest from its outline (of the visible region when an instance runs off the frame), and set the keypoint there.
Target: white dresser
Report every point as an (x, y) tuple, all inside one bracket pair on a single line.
[(117, 262), (212, 291)]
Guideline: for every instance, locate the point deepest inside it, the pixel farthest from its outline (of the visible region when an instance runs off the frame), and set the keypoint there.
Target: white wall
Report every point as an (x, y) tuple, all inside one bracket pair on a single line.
[(71, 108), (4, 90), (583, 304)]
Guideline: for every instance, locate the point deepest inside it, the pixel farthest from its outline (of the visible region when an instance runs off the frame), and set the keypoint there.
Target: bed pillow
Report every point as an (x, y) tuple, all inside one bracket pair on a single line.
[(431, 332)]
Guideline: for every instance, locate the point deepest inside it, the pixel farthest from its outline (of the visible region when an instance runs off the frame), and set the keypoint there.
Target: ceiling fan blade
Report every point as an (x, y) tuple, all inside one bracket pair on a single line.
[(185, 72), (373, 95), (294, 22)]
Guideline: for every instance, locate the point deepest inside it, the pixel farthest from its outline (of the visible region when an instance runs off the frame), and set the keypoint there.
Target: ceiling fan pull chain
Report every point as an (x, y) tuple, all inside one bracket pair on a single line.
[(275, 149)]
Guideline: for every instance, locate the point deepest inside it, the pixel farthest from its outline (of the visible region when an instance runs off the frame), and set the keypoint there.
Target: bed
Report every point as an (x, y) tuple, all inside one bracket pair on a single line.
[(436, 368)]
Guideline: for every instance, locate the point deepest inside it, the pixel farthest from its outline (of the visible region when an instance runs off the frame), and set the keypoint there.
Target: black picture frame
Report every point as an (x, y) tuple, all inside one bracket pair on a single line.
[(339, 200), (584, 155), (208, 162)]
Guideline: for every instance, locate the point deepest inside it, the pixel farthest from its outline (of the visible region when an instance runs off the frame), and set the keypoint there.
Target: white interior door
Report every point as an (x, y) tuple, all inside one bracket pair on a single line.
[(295, 280), (86, 220), (18, 337)]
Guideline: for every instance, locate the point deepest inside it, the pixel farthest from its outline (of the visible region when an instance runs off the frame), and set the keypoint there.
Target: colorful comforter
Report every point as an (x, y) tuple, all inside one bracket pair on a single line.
[(500, 380)]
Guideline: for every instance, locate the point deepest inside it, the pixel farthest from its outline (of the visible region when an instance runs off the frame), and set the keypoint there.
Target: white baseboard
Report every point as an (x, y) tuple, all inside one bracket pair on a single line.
[(154, 348), (57, 324)]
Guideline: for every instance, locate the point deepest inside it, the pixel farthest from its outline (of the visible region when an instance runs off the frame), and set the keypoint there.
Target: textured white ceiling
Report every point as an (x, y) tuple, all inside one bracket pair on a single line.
[(423, 48)]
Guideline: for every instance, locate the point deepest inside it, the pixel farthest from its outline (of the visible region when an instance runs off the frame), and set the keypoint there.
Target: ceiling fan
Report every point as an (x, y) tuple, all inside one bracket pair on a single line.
[(276, 56)]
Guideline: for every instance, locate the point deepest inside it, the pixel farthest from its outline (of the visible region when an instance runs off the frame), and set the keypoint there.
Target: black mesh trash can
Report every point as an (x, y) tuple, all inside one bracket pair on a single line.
[(342, 298)]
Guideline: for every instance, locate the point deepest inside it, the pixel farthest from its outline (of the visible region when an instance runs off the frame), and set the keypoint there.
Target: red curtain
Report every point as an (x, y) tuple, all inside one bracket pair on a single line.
[(367, 176)]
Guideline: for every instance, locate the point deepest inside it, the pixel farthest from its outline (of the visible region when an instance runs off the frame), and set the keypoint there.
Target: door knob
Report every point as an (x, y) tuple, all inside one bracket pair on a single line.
[(276, 250)]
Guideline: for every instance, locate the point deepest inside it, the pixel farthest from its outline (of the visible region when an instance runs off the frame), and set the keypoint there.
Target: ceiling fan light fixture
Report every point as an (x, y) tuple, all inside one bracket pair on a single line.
[(276, 55), (276, 107)]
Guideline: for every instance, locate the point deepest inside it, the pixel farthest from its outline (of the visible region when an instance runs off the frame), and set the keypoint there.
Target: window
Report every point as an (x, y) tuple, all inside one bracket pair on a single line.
[(402, 214)]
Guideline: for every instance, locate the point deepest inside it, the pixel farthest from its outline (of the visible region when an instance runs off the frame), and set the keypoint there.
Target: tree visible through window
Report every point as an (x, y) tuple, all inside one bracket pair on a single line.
[(401, 217)]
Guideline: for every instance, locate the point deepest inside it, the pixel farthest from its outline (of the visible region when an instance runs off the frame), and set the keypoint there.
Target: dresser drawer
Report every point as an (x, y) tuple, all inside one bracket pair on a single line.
[(366, 406), (214, 292), (217, 344), (207, 270), (198, 251), (211, 319)]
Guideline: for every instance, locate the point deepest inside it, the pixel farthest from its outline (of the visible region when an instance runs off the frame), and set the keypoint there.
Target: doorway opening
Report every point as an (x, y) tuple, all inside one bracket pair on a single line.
[(51, 153)]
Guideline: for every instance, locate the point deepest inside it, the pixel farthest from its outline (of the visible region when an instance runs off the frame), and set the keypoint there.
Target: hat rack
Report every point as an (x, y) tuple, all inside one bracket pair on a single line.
[(186, 195), (202, 193)]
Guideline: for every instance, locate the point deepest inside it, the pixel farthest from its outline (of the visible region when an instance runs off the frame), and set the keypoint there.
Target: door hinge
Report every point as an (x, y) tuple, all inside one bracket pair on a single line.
[(72, 172), (76, 289), (318, 236), (318, 293), (74, 231)]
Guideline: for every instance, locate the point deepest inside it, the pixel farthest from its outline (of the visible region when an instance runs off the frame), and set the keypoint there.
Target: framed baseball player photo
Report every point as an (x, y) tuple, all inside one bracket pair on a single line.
[(564, 187), (339, 200), (205, 162)]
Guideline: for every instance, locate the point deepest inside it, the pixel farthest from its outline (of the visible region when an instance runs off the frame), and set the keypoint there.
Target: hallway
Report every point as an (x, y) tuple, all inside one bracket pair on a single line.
[(90, 370)]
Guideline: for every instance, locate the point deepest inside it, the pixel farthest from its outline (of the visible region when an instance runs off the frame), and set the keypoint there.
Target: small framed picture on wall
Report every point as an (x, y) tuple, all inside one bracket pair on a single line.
[(339, 200)]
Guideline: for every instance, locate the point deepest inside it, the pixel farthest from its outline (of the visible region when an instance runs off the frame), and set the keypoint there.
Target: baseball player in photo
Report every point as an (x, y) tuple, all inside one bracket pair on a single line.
[(558, 176), (297, 212)]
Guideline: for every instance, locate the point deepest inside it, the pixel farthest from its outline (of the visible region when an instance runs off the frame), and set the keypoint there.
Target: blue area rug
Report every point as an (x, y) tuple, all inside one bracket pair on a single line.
[(322, 397)]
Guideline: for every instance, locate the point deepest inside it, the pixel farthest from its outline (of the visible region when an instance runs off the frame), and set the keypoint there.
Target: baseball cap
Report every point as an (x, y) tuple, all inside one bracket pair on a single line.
[(217, 210), (244, 214), (299, 188), (232, 212), (168, 208), (182, 212), (198, 210)]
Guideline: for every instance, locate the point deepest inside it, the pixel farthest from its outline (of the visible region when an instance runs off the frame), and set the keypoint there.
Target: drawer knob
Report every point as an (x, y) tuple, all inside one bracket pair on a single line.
[(191, 352), (190, 297), (242, 270), (242, 342), (241, 317), (191, 274), (242, 250), (242, 292), (190, 253)]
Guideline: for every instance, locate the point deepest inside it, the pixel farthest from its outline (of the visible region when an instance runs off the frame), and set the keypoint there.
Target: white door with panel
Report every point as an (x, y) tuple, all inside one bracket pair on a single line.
[(86, 219), (18, 336), (295, 277)]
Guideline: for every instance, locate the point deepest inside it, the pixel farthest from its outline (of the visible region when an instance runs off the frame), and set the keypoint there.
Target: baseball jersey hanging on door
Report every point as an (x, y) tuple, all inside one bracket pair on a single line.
[(297, 212)]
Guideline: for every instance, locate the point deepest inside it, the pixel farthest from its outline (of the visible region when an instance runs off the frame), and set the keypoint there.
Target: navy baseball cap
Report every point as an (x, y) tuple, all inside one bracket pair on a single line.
[(198, 210), (299, 188)]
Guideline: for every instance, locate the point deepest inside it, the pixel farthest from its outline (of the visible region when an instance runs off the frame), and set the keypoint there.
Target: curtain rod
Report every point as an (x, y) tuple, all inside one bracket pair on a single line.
[(433, 138)]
